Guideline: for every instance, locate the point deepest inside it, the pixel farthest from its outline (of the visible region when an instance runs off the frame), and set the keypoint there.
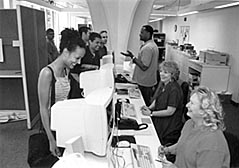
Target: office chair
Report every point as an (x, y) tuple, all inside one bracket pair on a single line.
[(185, 89), (233, 144)]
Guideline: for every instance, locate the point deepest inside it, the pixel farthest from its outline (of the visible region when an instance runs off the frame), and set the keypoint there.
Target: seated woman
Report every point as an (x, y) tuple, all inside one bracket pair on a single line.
[(202, 143), (54, 82), (166, 108)]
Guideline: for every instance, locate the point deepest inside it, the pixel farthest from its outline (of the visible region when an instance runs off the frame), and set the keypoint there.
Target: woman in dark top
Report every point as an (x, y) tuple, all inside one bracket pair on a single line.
[(166, 108), (53, 81)]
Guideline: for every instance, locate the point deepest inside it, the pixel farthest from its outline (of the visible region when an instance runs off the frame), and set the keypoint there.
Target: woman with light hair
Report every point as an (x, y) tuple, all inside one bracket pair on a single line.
[(166, 107), (202, 143)]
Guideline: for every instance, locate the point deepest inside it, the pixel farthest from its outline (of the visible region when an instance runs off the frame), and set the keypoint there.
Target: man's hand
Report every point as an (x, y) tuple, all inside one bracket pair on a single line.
[(128, 54)]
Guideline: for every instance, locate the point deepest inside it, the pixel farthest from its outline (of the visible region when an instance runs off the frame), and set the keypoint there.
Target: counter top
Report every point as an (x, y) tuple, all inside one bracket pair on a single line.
[(203, 64)]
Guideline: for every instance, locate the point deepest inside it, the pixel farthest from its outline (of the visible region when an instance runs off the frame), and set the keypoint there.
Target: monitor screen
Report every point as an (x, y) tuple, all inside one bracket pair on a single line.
[(95, 79), (87, 117)]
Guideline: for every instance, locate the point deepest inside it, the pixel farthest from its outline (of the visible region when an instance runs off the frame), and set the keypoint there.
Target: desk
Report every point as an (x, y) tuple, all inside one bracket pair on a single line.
[(146, 137)]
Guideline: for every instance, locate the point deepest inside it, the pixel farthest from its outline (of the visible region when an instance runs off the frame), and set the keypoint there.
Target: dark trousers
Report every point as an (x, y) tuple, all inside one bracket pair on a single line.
[(147, 93)]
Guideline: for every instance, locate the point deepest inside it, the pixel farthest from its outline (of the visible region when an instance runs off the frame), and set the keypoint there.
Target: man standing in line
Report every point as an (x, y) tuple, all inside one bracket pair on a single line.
[(84, 33), (90, 61), (145, 72), (51, 47), (103, 48)]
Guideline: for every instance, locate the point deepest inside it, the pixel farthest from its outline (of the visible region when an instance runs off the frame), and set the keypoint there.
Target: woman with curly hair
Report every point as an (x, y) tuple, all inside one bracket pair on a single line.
[(166, 108), (202, 143)]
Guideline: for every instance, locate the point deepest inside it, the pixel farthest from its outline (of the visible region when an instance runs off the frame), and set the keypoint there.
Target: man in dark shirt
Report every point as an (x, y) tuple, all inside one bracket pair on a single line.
[(103, 48), (84, 32), (91, 60), (51, 47)]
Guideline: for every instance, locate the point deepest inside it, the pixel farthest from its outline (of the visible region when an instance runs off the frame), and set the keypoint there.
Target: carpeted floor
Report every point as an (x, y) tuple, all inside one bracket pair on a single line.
[(14, 138), (13, 144)]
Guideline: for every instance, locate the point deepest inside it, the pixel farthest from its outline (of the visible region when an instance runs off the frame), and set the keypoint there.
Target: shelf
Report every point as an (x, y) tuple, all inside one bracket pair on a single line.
[(10, 74), (202, 64)]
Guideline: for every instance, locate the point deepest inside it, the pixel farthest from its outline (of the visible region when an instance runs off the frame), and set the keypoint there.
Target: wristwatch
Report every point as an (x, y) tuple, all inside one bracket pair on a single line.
[(151, 115)]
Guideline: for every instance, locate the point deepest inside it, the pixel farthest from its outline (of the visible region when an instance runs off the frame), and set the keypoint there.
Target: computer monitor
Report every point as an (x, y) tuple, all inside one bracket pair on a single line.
[(95, 79), (86, 117)]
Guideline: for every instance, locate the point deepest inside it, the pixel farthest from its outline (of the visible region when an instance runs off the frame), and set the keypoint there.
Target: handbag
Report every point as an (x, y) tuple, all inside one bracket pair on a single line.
[(39, 154)]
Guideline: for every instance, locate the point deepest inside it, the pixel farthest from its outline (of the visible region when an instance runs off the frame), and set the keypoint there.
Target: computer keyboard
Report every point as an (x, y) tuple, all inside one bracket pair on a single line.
[(128, 110), (141, 156)]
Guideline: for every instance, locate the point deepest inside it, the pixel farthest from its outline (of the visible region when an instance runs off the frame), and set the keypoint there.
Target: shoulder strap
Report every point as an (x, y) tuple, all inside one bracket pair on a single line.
[(53, 81), (70, 77)]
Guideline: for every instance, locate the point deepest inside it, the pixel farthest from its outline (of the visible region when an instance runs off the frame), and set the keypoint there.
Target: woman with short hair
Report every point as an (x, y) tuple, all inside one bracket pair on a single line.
[(167, 105)]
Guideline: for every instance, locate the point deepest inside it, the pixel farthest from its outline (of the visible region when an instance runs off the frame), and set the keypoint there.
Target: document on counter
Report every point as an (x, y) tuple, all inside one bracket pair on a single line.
[(146, 120), (147, 132)]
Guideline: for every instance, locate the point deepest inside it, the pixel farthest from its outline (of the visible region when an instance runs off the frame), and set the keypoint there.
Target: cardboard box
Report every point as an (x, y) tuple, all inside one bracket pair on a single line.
[(214, 57)]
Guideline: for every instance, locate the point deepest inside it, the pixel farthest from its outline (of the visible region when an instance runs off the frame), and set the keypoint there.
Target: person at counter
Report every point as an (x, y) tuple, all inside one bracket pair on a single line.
[(54, 79), (166, 107), (202, 143), (104, 38), (91, 61), (145, 72), (84, 33), (52, 51)]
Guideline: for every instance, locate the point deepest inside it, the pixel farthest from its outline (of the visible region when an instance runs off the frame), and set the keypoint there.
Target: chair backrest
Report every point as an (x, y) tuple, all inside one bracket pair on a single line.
[(233, 145), (185, 89)]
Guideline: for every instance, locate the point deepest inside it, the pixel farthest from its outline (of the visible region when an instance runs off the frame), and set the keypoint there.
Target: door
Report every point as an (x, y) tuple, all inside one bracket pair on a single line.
[(33, 54)]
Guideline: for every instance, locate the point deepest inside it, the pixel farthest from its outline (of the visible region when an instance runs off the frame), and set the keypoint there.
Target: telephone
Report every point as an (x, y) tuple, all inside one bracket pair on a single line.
[(128, 123), (118, 106)]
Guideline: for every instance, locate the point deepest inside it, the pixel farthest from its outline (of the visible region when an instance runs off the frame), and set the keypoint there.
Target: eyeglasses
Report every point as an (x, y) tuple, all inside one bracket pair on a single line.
[(104, 36)]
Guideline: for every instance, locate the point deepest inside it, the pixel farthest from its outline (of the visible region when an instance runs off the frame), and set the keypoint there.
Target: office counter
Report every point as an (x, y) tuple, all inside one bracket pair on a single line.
[(117, 157), (147, 137)]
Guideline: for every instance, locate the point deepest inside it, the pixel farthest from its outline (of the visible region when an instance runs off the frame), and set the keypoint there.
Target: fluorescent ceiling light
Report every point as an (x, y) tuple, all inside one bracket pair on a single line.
[(227, 5), (155, 20), (157, 7), (162, 14), (188, 13)]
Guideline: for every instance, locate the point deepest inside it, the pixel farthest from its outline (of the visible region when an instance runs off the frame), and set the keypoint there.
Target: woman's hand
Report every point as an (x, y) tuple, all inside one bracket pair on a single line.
[(168, 164), (145, 110), (53, 148), (161, 152)]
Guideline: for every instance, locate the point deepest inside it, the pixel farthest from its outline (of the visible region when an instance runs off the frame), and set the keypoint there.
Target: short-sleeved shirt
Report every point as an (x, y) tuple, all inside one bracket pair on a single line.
[(88, 58), (148, 54), (202, 147), (52, 51), (169, 128), (102, 51)]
